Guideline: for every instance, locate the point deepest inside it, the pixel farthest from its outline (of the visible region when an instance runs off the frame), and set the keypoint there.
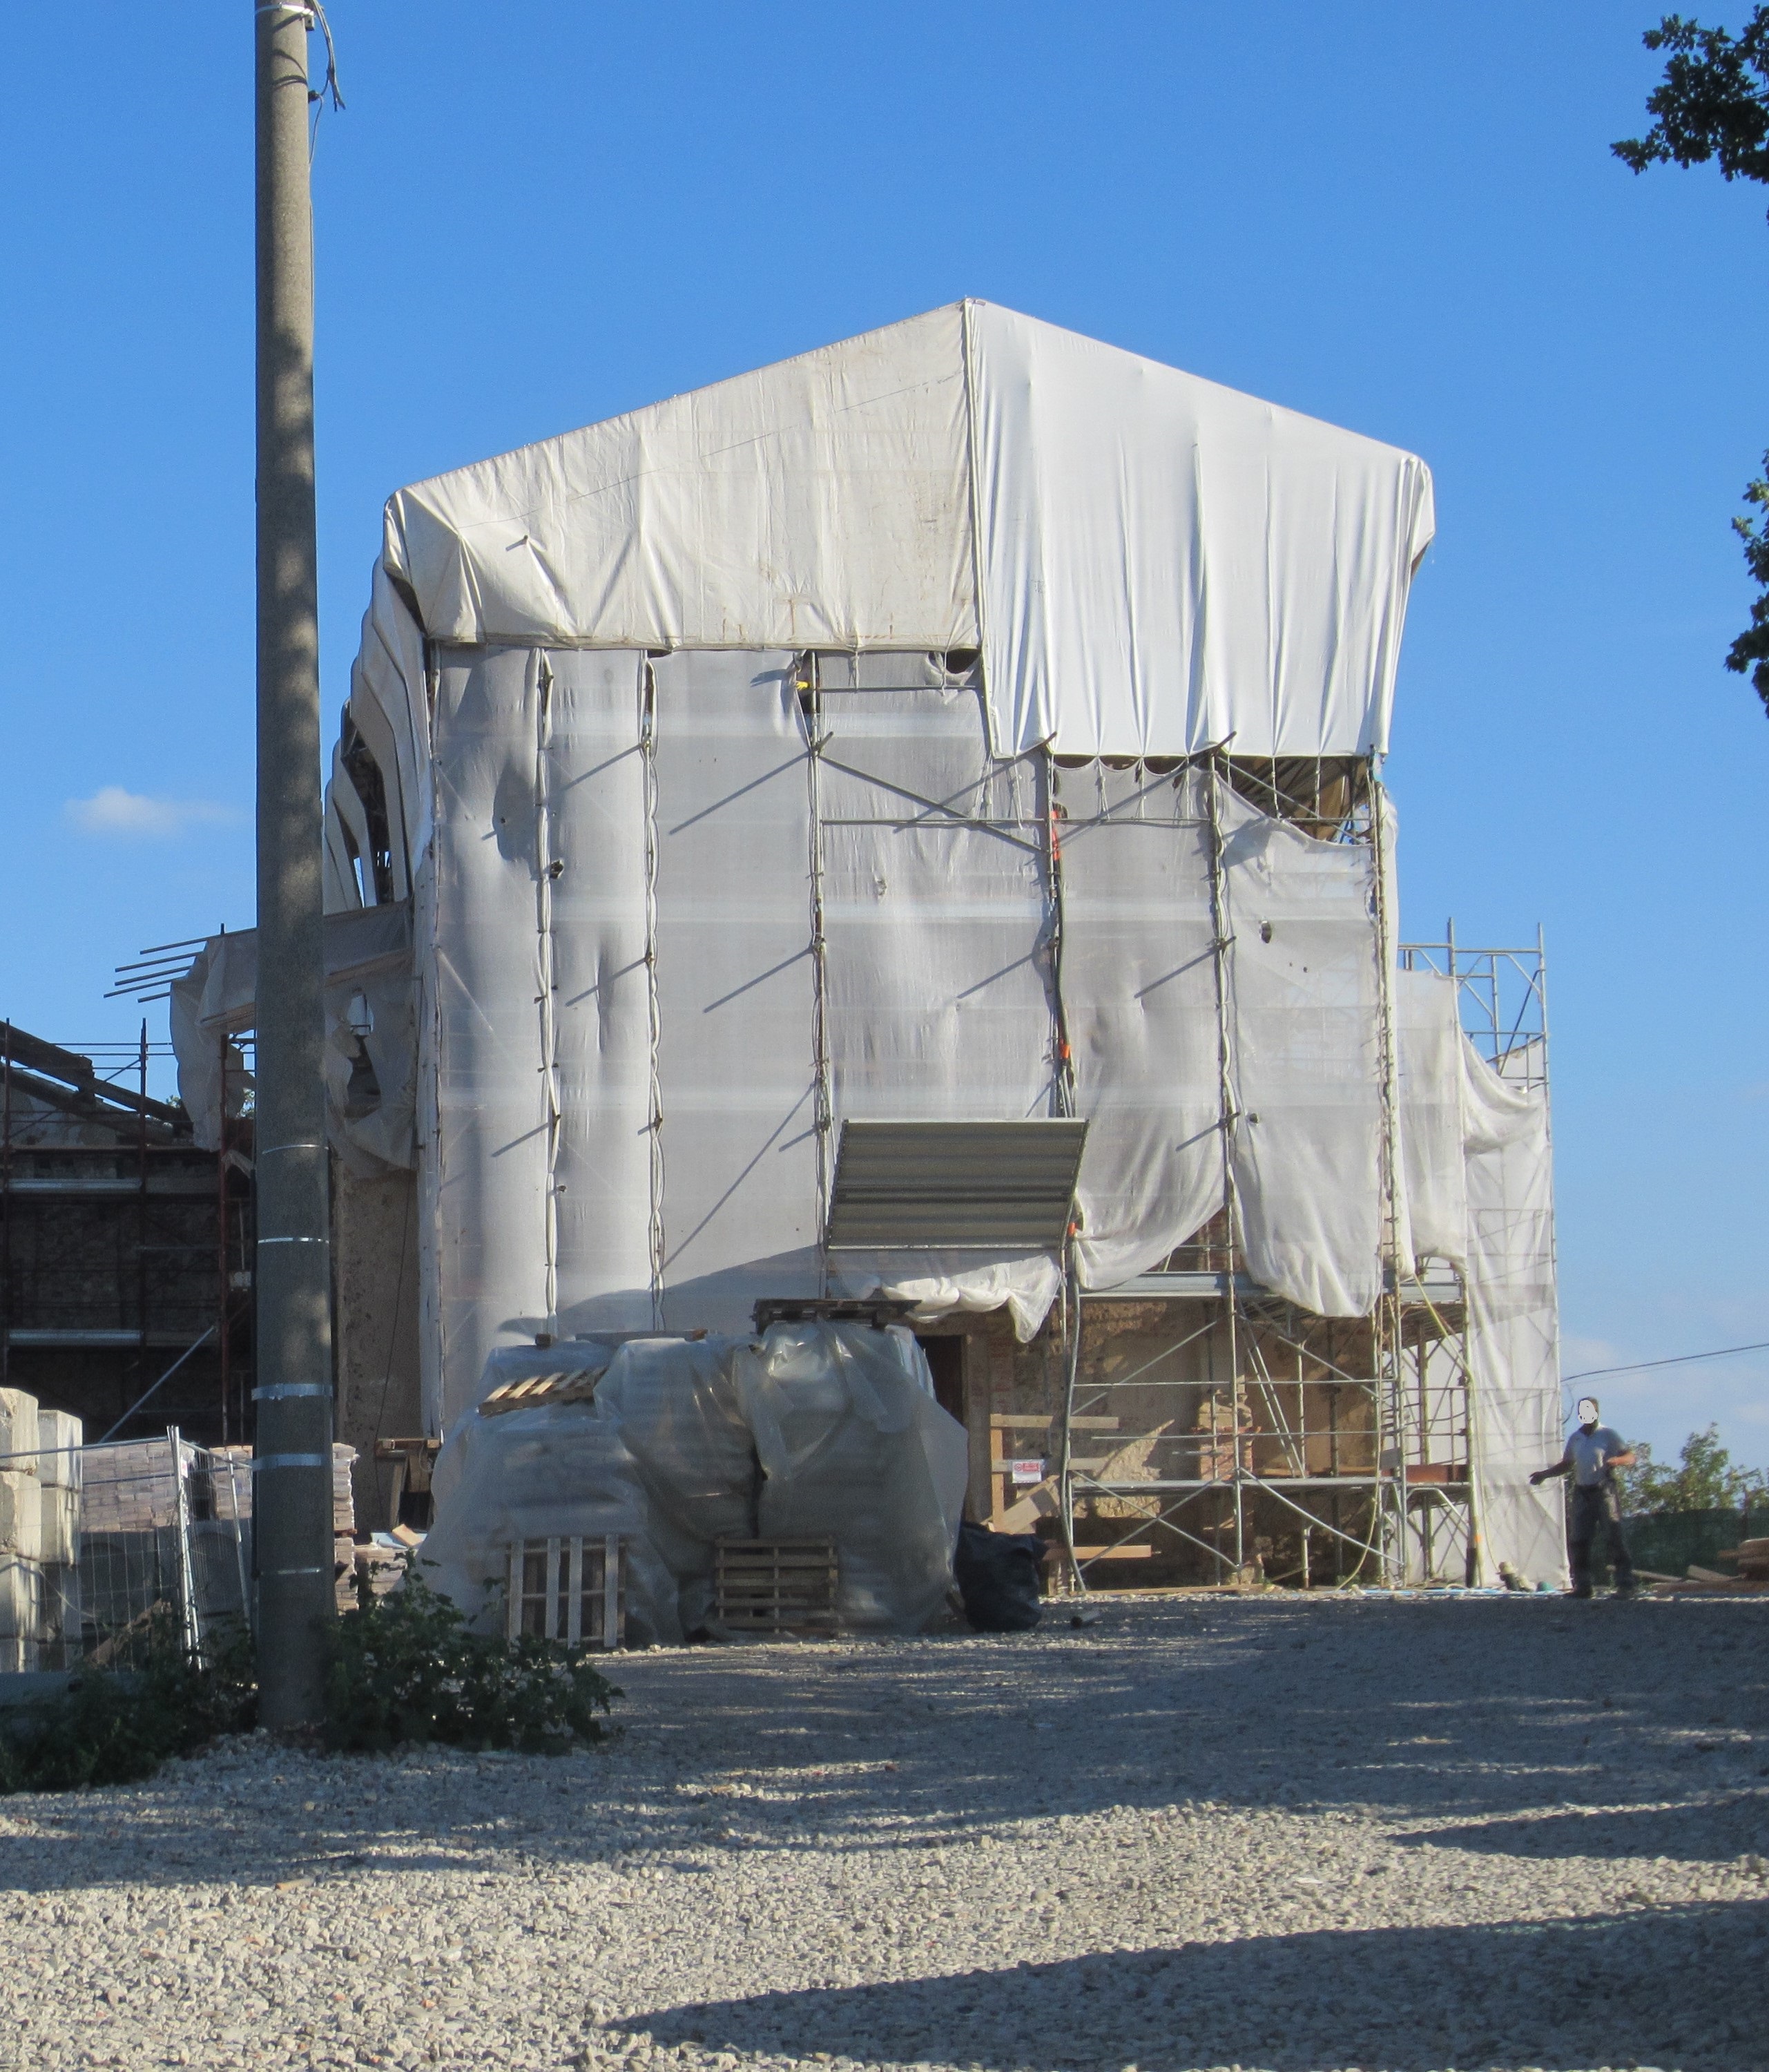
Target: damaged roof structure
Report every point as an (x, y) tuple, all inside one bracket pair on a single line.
[(967, 725)]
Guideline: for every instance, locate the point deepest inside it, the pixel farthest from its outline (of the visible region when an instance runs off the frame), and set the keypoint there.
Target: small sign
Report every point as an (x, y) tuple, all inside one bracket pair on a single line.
[(1023, 1472)]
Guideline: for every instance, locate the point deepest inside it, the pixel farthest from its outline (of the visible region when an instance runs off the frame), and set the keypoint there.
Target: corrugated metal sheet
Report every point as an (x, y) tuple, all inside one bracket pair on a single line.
[(957, 1185)]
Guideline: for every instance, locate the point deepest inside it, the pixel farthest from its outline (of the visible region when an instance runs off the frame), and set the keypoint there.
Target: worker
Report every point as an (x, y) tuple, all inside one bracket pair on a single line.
[(1593, 1454)]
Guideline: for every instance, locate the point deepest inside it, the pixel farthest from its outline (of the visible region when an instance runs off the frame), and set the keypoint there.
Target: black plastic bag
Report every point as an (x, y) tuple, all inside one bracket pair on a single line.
[(997, 1576)]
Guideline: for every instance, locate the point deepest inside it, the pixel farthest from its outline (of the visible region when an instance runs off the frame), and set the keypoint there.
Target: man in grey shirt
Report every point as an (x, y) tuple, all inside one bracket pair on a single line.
[(1593, 1454)]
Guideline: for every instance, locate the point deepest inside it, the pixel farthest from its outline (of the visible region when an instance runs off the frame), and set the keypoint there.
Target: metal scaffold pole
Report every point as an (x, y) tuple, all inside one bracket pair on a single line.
[(292, 1496)]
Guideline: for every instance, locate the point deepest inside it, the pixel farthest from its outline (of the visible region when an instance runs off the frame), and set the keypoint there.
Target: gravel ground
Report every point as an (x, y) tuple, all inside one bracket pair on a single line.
[(1292, 1835)]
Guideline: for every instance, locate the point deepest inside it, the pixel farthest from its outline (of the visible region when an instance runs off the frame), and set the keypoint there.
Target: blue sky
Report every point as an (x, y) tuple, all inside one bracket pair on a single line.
[(1402, 218)]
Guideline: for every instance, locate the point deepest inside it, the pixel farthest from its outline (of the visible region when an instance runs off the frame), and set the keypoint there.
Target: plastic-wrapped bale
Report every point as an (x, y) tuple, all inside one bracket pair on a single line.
[(680, 1411), (59, 1436), (560, 1471), (854, 1448)]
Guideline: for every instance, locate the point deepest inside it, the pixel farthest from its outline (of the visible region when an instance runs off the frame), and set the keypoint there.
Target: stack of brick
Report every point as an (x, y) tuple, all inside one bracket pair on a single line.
[(232, 1469), (343, 1527)]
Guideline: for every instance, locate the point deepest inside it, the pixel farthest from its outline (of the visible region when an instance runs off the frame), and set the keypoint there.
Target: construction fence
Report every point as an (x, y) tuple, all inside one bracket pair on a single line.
[(102, 1546)]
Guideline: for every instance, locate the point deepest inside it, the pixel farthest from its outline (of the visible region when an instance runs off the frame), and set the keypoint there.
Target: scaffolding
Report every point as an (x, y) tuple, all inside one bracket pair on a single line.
[(1207, 1429), (1213, 1431)]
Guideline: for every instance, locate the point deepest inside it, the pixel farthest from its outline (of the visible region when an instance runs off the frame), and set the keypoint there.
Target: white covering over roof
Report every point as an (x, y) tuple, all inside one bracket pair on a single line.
[(1149, 563)]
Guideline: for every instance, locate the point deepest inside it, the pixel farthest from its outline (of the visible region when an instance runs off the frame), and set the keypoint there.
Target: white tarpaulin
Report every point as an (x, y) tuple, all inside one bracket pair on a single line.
[(1166, 564), (821, 502), (1151, 562), (1431, 1045), (1139, 999), (1306, 1059), (1514, 1328), (1479, 1194)]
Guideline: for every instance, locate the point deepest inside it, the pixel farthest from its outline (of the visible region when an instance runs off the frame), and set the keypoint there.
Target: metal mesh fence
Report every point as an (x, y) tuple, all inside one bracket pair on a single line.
[(166, 1532)]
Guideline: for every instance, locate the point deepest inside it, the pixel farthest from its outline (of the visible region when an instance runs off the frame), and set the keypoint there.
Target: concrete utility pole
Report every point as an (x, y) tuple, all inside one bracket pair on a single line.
[(292, 1488)]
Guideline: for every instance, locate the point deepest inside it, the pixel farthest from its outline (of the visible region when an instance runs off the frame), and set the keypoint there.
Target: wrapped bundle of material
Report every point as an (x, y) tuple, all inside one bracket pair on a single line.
[(679, 1412), (854, 1447), (59, 1435), (559, 1470), (816, 1431)]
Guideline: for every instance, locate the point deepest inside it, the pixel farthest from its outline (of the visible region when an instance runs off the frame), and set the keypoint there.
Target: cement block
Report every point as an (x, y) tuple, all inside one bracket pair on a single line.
[(21, 1516), (59, 1437), (21, 1605), (58, 1533), (19, 1436)]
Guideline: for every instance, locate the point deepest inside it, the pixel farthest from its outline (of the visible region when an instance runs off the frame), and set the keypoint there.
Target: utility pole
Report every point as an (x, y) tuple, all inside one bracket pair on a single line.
[(292, 1486)]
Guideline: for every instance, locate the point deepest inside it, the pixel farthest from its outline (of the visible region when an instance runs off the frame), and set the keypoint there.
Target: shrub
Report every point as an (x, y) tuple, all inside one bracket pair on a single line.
[(403, 1668), (406, 1667), (117, 1726)]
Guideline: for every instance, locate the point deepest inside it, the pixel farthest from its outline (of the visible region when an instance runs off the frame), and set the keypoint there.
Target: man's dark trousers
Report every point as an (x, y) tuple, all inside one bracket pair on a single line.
[(1599, 1510)]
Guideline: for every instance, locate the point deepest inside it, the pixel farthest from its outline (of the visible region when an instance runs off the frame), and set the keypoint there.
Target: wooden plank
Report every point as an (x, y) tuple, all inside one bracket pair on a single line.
[(1041, 1502), (1114, 1553), (1015, 1422)]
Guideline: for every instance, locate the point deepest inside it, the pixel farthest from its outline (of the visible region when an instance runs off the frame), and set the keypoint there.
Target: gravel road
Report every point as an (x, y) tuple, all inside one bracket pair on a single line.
[(1291, 1836)]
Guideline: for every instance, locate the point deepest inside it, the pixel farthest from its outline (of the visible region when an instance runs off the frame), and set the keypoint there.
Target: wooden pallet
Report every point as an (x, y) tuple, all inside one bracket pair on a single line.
[(776, 1586), (570, 1589)]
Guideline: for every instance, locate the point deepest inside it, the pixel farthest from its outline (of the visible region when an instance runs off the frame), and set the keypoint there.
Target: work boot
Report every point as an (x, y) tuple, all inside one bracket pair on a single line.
[(1582, 1590)]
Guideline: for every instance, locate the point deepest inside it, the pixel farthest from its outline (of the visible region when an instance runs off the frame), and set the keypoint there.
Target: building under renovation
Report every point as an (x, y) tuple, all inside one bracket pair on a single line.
[(904, 827)]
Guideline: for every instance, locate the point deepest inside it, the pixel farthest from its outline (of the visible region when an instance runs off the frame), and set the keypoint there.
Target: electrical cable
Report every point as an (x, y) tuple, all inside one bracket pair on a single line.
[(1681, 1359)]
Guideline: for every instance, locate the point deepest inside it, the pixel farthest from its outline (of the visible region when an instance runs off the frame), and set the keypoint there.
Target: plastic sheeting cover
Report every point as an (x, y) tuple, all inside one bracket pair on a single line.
[(1514, 1330), (823, 501), (1307, 1065), (854, 1447), (939, 986), (1168, 564), (563, 1470), (1431, 1045), (680, 1409), (1140, 996), (1480, 1192)]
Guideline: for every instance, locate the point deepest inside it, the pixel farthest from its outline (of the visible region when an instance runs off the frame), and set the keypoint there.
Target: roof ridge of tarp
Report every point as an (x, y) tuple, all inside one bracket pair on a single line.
[(1151, 560)]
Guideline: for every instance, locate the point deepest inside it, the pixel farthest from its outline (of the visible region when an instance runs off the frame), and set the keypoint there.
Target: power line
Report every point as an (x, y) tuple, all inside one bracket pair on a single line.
[(1682, 1359)]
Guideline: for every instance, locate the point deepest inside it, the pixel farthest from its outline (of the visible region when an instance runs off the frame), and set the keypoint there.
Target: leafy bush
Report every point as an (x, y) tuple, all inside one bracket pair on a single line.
[(117, 1726), (406, 1667), (1707, 1481)]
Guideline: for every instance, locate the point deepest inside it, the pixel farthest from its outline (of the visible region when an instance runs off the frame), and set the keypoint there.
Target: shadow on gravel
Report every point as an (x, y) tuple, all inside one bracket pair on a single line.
[(1475, 1714), (1686, 1834), (1684, 1988)]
